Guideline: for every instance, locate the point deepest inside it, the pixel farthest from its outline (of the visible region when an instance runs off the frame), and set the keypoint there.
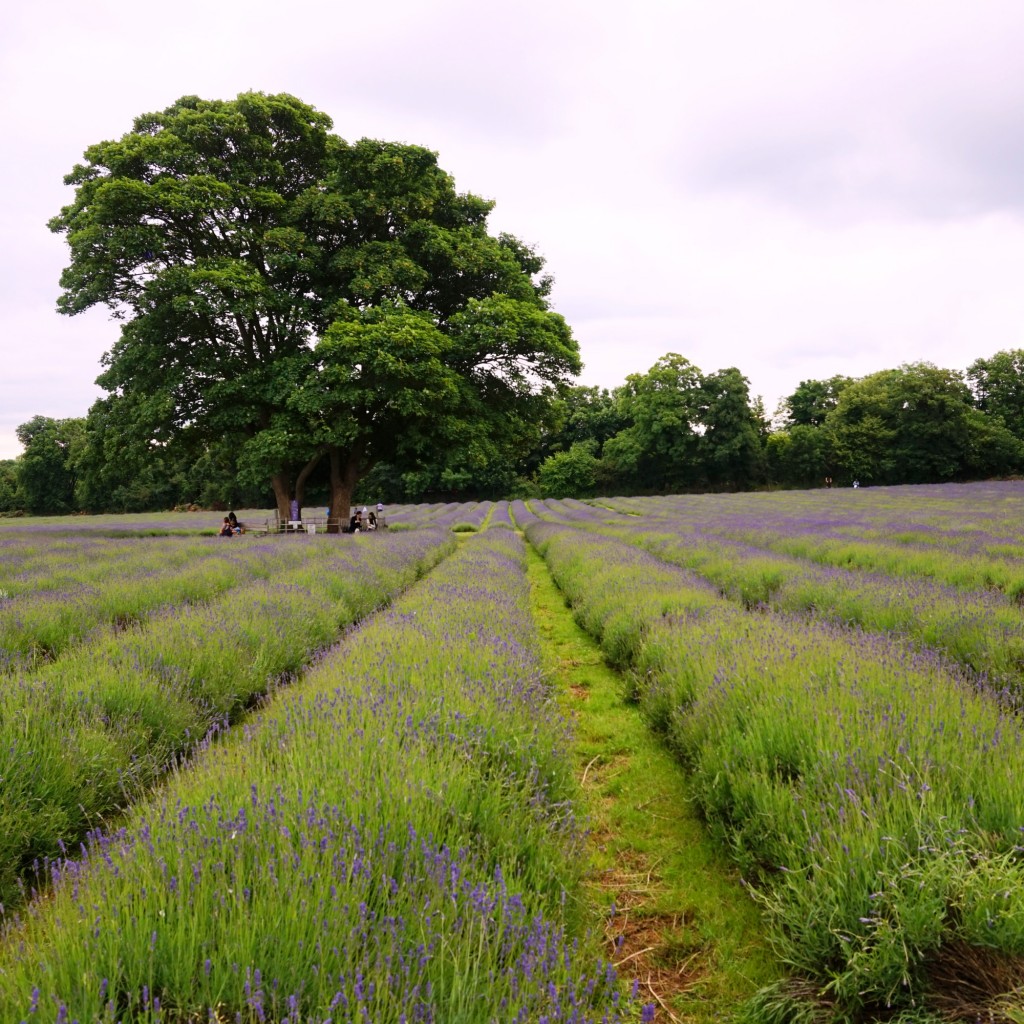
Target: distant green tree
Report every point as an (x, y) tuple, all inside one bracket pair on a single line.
[(582, 414), (461, 472), (998, 387), (915, 424), (800, 456), (8, 485), (659, 448), (729, 449), (570, 474), (301, 298), (813, 400), (682, 429), (621, 459), (472, 458), (992, 449), (120, 469), (46, 469), (761, 419)]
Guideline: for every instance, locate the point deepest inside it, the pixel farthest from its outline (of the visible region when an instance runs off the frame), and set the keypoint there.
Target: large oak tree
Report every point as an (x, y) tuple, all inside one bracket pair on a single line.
[(303, 298)]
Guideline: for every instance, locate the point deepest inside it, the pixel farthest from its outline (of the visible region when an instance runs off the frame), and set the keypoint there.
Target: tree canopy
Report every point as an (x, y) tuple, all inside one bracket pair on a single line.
[(301, 312), (298, 297), (47, 468), (916, 424), (813, 400), (998, 384)]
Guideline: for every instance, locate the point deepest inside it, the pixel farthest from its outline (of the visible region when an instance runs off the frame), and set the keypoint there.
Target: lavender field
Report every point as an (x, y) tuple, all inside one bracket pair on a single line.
[(850, 711), (325, 778)]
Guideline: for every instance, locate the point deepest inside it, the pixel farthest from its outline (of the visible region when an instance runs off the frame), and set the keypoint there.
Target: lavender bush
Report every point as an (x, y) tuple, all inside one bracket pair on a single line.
[(87, 733), (71, 591), (964, 535)]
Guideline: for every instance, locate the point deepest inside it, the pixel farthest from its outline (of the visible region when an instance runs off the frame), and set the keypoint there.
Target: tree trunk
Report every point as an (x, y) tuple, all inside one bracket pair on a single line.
[(281, 482), (344, 477), (300, 480), (284, 491)]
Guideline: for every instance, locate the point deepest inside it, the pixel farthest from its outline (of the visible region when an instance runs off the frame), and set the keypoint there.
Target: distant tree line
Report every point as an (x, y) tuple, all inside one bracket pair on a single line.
[(73, 465), (915, 424), (671, 429), (676, 429)]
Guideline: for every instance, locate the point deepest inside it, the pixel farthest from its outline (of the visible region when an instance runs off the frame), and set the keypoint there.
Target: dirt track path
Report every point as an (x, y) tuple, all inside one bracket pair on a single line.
[(678, 919)]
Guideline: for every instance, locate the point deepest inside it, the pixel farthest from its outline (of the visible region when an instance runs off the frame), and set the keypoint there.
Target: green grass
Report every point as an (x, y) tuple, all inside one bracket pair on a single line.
[(654, 873)]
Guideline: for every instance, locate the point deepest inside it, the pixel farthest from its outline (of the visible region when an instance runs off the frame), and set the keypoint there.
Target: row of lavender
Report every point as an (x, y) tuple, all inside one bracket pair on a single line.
[(980, 629), (459, 516), (965, 535), (393, 839), (870, 794), (54, 595), (86, 733)]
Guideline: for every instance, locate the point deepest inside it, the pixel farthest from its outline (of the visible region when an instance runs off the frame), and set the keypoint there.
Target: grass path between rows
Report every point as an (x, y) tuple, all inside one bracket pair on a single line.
[(676, 915)]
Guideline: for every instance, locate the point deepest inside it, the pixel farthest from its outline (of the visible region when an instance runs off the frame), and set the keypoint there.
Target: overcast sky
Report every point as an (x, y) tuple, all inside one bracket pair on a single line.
[(795, 187)]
